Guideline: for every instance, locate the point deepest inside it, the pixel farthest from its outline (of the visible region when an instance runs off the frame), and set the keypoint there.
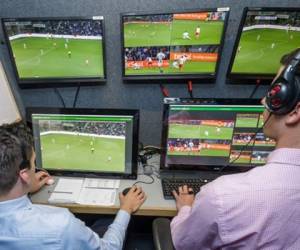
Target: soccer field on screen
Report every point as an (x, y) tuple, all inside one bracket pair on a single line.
[(203, 152), (73, 152), (168, 34), (42, 57), (199, 132), (256, 54), (189, 67)]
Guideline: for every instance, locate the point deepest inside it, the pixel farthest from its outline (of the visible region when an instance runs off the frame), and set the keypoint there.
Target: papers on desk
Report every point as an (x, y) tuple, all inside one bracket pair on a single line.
[(85, 191)]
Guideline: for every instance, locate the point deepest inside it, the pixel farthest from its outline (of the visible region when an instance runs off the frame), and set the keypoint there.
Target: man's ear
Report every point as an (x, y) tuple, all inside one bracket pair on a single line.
[(25, 176), (294, 116)]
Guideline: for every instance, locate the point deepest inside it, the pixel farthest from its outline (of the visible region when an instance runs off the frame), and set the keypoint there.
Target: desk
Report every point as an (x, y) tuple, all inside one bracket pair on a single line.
[(155, 205)]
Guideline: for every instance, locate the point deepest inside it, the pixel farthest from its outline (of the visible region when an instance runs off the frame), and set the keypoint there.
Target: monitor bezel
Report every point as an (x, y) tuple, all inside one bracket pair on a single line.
[(176, 78), (246, 78), (50, 82), (90, 111), (201, 101)]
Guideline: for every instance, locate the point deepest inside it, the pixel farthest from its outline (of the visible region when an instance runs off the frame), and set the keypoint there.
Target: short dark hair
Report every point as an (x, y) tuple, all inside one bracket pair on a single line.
[(15, 153)]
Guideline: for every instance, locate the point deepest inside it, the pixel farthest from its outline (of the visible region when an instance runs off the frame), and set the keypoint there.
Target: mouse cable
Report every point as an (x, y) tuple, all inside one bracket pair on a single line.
[(143, 182), (60, 97)]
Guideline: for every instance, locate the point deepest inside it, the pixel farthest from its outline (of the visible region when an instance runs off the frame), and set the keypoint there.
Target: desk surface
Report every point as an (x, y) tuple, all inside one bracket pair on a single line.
[(155, 205)]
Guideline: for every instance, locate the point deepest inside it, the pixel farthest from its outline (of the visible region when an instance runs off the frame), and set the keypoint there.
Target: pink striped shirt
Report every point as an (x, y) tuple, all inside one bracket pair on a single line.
[(259, 209)]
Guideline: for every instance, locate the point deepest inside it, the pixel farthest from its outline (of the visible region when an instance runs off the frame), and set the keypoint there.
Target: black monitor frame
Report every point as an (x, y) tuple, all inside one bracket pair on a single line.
[(245, 78), (173, 78), (50, 82), (88, 111), (199, 101)]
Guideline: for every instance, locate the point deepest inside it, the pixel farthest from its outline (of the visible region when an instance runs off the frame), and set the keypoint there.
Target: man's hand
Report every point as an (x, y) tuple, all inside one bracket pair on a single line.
[(132, 201), (39, 179), (184, 197)]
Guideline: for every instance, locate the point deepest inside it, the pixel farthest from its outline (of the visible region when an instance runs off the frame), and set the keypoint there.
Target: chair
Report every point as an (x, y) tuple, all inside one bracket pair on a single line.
[(162, 234)]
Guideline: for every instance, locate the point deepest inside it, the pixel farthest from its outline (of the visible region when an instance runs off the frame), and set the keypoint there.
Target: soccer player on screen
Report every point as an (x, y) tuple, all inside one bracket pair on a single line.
[(149, 61), (66, 46), (182, 61), (175, 64), (160, 56), (136, 66), (87, 62), (197, 32), (126, 61), (69, 54), (92, 150), (186, 35), (191, 145), (24, 46), (272, 45)]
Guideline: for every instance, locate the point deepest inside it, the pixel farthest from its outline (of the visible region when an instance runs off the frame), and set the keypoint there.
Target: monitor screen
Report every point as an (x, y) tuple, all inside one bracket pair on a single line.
[(86, 142), (173, 45), (213, 134), (52, 51), (265, 35)]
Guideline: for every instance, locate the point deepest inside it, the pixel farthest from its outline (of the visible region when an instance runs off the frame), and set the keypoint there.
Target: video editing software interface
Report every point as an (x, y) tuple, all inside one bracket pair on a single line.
[(173, 43), (83, 143), (215, 135)]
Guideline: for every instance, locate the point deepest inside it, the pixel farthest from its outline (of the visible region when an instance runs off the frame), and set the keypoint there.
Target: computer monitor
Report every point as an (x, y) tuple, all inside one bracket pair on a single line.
[(53, 52), (174, 45), (86, 142), (213, 134), (264, 36)]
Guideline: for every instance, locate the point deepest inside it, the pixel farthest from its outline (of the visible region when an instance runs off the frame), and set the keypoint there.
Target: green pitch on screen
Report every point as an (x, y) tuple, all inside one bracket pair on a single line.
[(199, 132), (189, 67), (258, 56), (54, 61), (246, 122), (74, 152), (202, 152), (168, 34)]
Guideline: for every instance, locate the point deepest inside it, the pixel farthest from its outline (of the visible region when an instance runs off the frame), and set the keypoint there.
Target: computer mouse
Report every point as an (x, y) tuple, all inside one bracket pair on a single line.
[(126, 190), (50, 181)]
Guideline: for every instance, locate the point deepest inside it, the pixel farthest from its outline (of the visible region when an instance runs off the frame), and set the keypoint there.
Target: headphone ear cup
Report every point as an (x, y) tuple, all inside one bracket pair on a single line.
[(283, 96)]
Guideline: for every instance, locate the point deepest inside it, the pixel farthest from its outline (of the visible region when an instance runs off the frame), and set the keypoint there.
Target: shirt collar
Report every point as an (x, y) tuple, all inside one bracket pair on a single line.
[(17, 204), (287, 156)]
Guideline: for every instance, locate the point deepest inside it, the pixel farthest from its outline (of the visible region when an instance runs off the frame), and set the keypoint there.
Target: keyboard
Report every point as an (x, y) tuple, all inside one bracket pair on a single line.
[(170, 184)]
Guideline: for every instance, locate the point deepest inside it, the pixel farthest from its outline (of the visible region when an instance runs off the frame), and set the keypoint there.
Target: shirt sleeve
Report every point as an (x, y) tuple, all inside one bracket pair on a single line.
[(196, 227), (78, 236)]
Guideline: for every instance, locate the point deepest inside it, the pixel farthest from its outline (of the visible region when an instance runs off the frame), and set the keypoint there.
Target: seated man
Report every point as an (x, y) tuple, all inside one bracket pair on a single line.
[(258, 209), (28, 226)]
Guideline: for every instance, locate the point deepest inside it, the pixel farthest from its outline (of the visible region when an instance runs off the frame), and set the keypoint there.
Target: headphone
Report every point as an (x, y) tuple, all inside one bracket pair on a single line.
[(284, 93)]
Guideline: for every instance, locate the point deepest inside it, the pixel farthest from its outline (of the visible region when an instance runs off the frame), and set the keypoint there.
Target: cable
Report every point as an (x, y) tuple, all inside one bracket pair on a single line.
[(76, 96), (190, 88), (60, 97), (164, 91), (246, 145), (255, 88), (152, 180)]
